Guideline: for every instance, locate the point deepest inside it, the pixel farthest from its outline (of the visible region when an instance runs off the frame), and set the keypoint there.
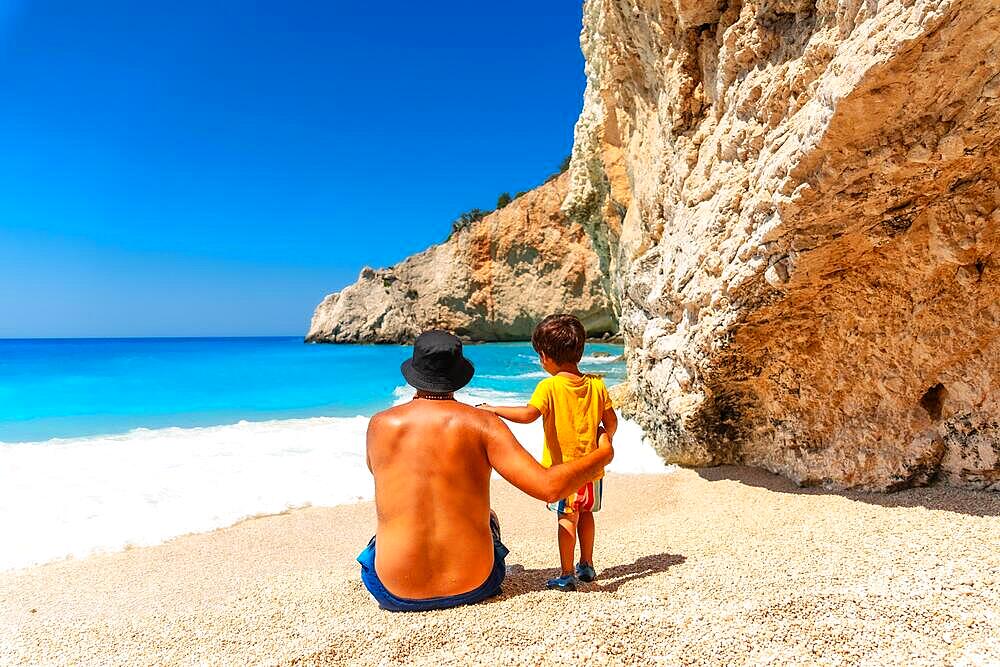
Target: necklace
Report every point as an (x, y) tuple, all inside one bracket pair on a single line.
[(435, 397)]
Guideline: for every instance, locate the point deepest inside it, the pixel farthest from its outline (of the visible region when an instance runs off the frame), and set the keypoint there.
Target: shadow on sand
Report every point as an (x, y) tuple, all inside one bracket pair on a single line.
[(609, 580), (937, 497)]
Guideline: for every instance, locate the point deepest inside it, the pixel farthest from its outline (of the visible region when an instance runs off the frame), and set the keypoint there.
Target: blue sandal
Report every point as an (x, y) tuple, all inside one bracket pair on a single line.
[(586, 572), (566, 582)]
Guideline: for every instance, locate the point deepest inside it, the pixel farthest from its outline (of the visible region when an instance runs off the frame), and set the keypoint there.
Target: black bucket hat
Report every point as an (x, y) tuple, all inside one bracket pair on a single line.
[(437, 364)]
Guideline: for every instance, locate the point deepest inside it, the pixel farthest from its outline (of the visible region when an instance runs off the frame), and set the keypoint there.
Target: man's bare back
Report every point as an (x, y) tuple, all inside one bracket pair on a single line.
[(432, 490)]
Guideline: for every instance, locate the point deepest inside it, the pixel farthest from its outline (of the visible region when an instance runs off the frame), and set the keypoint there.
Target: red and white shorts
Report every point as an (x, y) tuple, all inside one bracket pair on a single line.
[(586, 499)]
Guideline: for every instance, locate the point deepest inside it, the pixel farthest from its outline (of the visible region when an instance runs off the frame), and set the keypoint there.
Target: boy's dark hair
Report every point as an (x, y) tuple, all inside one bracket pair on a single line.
[(560, 338)]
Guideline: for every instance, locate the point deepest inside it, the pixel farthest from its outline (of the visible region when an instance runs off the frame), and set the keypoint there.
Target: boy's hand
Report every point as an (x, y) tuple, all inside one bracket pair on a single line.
[(604, 444)]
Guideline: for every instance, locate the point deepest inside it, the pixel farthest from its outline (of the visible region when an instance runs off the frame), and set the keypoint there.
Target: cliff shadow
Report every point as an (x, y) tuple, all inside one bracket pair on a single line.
[(520, 580), (934, 497)]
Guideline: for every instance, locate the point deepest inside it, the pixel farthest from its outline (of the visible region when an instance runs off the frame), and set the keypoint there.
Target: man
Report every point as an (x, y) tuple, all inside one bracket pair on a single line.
[(438, 542)]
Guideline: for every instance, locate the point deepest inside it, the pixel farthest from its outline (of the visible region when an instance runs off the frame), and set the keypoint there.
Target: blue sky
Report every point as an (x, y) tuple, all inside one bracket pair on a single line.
[(197, 168)]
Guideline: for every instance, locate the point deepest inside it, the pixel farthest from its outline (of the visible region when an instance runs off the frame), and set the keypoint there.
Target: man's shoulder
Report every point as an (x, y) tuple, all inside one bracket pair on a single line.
[(408, 412), (396, 415), (386, 418)]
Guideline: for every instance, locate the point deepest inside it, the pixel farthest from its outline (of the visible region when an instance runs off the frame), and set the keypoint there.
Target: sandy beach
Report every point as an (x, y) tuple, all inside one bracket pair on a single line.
[(720, 566)]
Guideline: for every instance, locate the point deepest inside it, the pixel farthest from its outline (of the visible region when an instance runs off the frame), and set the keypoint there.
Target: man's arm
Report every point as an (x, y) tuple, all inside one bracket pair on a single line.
[(521, 414), (520, 468), (376, 427)]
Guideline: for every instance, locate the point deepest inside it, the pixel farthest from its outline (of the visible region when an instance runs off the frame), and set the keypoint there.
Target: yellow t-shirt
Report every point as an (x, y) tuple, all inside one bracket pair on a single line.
[(571, 412)]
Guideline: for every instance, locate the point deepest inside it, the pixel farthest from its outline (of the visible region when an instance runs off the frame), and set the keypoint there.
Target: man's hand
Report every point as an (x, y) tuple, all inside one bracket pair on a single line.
[(487, 407), (520, 468)]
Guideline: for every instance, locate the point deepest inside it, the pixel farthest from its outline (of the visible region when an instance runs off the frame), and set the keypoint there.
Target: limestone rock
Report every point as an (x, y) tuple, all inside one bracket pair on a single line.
[(798, 205), (493, 280), (623, 399)]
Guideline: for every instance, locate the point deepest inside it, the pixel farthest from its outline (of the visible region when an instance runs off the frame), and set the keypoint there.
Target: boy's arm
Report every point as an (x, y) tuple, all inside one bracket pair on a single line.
[(521, 414), (610, 421), (520, 468)]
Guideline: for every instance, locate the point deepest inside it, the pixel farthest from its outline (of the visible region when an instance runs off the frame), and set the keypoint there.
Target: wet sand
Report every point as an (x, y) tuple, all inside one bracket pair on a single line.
[(720, 566)]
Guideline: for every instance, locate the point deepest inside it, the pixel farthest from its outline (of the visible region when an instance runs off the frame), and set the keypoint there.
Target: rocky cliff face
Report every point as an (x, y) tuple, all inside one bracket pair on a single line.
[(493, 280), (798, 206)]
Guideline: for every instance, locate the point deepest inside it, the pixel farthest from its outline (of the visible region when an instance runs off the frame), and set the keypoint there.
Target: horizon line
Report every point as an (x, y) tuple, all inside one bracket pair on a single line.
[(179, 337)]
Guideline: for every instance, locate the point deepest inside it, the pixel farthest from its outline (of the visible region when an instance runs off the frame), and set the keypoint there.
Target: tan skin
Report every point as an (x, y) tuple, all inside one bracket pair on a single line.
[(432, 461), (577, 523)]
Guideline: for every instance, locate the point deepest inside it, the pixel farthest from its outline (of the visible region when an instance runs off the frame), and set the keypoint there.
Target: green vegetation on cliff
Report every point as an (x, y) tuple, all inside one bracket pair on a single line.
[(466, 218)]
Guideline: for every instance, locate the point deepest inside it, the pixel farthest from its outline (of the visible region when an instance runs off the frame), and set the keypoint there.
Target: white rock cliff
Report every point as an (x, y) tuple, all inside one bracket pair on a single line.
[(493, 280), (798, 207)]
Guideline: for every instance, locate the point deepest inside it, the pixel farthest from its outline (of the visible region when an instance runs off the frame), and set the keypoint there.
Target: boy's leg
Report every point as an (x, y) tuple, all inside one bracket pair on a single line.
[(567, 541), (585, 529)]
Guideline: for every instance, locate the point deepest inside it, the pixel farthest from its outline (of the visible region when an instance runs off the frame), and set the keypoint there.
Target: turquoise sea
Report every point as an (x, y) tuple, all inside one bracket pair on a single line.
[(82, 387), (109, 443)]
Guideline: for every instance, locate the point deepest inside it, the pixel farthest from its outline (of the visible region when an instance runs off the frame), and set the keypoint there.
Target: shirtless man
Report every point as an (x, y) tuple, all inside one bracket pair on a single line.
[(438, 542)]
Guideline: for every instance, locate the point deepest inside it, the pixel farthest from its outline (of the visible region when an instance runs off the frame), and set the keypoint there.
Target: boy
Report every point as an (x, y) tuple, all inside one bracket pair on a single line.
[(572, 406)]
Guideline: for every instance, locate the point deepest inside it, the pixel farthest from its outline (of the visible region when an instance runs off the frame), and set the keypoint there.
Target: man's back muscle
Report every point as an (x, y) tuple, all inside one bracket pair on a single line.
[(432, 494)]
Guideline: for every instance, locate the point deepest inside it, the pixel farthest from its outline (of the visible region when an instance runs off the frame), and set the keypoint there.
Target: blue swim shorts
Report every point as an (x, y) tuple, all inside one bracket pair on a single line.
[(390, 602)]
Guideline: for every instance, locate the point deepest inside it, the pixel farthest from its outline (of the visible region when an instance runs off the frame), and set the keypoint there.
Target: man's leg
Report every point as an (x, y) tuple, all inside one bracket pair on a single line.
[(585, 529), (567, 541)]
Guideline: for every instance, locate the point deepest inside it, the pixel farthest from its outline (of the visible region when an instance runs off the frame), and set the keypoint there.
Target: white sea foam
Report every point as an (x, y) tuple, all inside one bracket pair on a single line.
[(470, 395), (594, 359), (586, 359), (74, 497), (518, 376)]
